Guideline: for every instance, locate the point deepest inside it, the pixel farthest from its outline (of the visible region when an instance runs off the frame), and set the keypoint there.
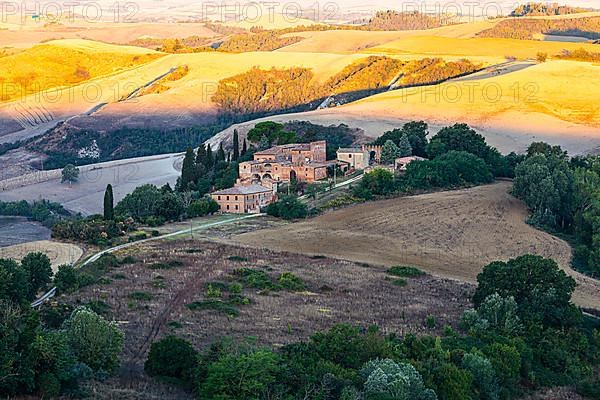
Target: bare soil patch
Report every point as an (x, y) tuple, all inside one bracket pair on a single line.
[(450, 234), (58, 253), (337, 291)]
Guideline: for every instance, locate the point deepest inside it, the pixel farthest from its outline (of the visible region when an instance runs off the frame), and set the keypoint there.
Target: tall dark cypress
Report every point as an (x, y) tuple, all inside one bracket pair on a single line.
[(209, 157), (188, 170), (236, 146), (220, 153), (109, 210), (244, 148), (201, 155)]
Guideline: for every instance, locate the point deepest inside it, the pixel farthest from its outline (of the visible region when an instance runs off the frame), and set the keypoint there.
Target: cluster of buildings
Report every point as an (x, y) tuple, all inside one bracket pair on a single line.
[(259, 178)]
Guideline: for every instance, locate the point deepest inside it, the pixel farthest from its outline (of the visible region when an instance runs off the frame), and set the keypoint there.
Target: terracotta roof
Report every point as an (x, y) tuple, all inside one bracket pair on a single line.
[(249, 189), (270, 151), (409, 159)]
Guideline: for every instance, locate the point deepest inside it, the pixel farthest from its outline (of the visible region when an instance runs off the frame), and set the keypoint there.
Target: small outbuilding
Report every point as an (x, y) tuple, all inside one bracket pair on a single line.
[(401, 163)]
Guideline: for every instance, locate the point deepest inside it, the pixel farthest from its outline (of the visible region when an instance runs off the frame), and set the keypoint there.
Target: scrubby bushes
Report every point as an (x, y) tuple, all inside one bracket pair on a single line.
[(202, 207), (94, 341), (40, 360), (526, 28), (519, 347), (260, 41), (94, 230), (43, 211), (20, 282)]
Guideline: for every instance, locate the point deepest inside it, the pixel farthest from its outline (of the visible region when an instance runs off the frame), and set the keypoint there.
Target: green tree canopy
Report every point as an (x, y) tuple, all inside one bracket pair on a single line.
[(247, 376), (460, 137), (273, 131), (540, 288), (404, 146), (546, 185), (95, 341), (189, 172), (173, 358), (389, 152), (287, 207), (236, 146), (70, 173), (14, 282), (39, 270)]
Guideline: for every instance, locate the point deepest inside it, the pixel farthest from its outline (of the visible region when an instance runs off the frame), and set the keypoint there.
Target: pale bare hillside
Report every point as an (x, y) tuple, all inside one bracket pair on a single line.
[(449, 234), (264, 17), (493, 47), (337, 41), (27, 35)]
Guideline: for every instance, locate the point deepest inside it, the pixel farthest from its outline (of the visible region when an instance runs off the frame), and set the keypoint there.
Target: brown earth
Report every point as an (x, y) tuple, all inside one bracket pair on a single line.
[(337, 292), (450, 234)]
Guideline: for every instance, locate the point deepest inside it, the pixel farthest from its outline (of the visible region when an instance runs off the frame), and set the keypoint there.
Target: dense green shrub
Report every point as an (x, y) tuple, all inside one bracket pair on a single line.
[(451, 169), (173, 359), (387, 379), (378, 182), (202, 207), (95, 341), (484, 376), (290, 281), (460, 137), (287, 207), (405, 271), (247, 376), (43, 211)]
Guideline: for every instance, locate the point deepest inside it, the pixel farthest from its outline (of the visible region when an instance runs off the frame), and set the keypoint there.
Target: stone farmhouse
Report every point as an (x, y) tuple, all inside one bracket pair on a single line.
[(304, 162), (242, 199), (258, 179)]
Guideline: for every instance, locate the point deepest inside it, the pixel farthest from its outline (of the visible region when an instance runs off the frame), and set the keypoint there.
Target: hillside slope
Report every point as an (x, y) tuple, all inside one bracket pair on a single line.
[(449, 234)]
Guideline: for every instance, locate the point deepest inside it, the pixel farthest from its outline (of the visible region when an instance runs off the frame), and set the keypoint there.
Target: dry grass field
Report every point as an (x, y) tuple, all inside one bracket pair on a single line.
[(549, 102), (58, 253), (449, 234), (64, 63), (27, 35), (336, 292), (493, 47)]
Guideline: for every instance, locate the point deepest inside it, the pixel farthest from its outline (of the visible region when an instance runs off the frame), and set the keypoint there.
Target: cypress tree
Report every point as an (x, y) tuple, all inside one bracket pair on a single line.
[(188, 170), (109, 210), (244, 148), (209, 157), (201, 156), (404, 146), (220, 153), (236, 146)]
